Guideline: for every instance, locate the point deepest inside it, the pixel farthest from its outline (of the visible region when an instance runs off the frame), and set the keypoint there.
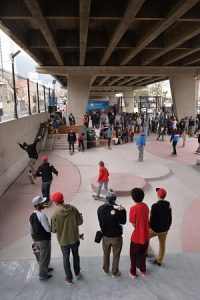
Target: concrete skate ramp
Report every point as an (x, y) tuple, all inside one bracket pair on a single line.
[(177, 279)]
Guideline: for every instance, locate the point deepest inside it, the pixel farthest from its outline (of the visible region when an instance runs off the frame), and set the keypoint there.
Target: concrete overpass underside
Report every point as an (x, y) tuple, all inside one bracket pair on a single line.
[(129, 43)]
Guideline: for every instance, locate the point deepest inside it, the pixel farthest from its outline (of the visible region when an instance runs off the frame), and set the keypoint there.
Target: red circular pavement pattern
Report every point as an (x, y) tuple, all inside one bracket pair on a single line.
[(190, 228), (184, 154), (17, 200), (121, 183)]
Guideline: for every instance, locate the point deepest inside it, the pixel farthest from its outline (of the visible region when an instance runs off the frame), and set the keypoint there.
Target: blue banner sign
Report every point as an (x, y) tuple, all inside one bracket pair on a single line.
[(97, 105)]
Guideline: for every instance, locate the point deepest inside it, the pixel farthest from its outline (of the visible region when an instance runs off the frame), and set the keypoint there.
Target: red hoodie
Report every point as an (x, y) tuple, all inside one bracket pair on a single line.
[(103, 174)]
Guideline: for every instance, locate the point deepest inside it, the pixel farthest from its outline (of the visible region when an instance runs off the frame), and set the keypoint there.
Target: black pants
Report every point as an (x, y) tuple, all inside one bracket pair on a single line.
[(174, 147), (109, 140), (81, 145), (46, 189), (71, 146)]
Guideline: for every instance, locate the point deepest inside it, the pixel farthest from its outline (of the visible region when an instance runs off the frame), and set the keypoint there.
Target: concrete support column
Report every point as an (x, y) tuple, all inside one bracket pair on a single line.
[(128, 101), (112, 98), (183, 95), (78, 95)]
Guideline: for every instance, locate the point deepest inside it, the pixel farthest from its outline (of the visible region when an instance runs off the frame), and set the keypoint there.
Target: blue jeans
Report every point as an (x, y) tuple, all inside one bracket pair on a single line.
[(105, 183), (66, 259)]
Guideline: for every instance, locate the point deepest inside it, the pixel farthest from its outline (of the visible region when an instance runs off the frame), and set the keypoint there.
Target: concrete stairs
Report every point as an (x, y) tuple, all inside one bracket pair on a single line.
[(60, 142)]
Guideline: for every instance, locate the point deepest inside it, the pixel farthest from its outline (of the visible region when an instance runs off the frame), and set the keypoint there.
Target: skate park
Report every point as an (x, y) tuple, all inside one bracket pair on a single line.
[(178, 278)]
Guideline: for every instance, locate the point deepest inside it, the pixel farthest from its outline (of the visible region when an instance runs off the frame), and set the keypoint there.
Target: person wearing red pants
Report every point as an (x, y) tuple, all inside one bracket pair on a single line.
[(139, 218)]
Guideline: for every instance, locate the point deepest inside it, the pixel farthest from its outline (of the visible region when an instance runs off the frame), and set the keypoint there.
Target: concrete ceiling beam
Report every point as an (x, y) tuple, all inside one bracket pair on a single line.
[(191, 59), (104, 80), (174, 40), (36, 12), (115, 80), (175, 57), (147, 82), (110, 88), (174, 14), (131, 11), (84, 22), (140, 80), (126, 81), (116, 71)]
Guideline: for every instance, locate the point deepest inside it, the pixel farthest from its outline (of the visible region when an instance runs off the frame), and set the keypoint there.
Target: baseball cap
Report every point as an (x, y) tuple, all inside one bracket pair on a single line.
[(161, 193), (57, 197), (111, 196), (45, 158), (38, 200)]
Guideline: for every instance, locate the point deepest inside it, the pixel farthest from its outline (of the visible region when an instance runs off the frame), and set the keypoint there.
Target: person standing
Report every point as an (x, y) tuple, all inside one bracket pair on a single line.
[(65, 222), (139, 218), (103, 179), (111, 217), (141, 142), (160, 222), (198, 136), (71, 139), (80, 142), (71, 119), (31, 150), (174, 139), (108, 134), (86, 120), (41, 234), (45, 171)]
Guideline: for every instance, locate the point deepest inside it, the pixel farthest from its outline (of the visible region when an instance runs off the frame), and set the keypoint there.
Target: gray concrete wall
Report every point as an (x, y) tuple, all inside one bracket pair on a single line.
[(12, 158)]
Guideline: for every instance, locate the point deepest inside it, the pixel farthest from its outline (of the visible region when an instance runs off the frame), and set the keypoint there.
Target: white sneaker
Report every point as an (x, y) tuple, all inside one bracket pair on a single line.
[(118, 274)]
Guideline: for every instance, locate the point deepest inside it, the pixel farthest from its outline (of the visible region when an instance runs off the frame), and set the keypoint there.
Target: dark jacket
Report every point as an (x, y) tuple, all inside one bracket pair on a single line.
[(161, 216), (45, 170), (39, 233), (71, 137), (110, 218), (31, 149)]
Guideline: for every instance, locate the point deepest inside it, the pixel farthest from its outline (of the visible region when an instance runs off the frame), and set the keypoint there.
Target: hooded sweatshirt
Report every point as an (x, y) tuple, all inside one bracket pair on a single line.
[(65, 222), (161, 216), (110, 219)]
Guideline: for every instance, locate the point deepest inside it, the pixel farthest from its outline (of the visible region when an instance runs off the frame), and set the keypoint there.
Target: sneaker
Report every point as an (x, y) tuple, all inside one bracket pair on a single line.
[(157, 263), (50, 270), (116, 275), (68, 281), (132, 275), (143, 273), (78, 275), (96, 197), (106, 273), (46, 277)]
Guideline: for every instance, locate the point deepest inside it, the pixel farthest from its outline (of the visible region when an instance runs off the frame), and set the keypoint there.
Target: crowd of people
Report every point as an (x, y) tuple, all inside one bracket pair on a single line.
[(65, 222), (66, 219)]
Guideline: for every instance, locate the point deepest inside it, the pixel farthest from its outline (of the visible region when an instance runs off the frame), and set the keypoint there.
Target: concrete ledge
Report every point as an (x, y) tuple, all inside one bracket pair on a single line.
[(121, 183)]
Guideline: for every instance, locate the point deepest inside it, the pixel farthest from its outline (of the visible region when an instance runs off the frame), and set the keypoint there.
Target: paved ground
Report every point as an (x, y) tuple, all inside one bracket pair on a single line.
[(179, 276)]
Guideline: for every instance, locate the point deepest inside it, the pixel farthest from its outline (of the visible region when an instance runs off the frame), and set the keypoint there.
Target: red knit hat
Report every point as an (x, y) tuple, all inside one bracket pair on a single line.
[(45, 158), (161, 193), (57, 197)]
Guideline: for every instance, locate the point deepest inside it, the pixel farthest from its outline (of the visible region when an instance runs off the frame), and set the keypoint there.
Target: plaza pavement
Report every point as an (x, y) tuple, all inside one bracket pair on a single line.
[(178, 278)]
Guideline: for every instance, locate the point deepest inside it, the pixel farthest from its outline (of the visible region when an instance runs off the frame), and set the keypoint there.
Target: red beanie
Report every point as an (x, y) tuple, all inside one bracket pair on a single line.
[(57, 197), (45, 158)]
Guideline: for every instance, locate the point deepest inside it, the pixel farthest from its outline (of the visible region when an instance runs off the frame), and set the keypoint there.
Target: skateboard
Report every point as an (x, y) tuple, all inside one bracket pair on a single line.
[(100, 198), (31, 177)]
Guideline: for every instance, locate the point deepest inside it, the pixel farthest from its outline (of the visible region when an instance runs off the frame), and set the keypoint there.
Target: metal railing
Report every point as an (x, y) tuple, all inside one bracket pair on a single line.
[(32, 97)]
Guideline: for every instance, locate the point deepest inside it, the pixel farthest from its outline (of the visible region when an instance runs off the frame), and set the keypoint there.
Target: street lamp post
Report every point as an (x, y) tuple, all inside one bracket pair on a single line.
[(14, 85)]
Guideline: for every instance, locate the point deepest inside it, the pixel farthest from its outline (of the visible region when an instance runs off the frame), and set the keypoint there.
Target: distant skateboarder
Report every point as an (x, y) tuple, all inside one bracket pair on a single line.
[(32, 152)]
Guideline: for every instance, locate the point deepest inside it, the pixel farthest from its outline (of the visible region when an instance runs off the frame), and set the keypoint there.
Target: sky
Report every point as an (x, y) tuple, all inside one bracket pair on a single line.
[(24, 64)]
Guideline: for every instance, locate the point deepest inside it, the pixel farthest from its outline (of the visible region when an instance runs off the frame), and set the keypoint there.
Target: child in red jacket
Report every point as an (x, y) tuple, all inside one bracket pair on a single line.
[(102, 179)]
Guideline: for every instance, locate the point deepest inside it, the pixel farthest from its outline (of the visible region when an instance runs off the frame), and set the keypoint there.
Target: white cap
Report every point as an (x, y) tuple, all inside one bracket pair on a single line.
[(38, 200)]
